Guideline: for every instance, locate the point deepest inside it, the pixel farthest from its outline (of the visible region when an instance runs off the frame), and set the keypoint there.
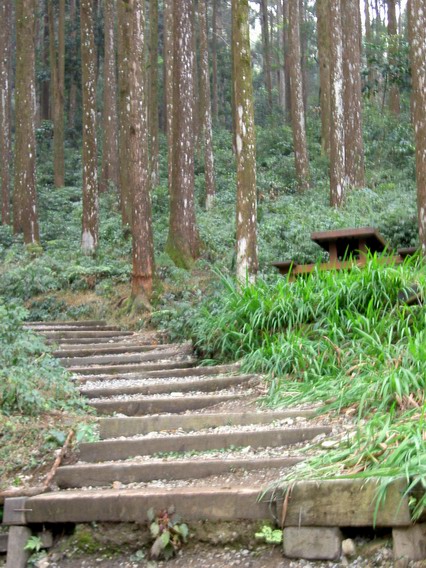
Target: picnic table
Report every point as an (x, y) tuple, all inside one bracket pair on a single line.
[(346, 248)]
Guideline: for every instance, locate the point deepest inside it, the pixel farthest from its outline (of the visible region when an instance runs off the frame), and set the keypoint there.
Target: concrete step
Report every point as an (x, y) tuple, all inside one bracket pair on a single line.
[(98, 475), (110, 450), (111, 349), (69, 328), (203, 385), (143, 406), (132, 426), (77, 342), (131, 505), (124, 359), (91, 334), (172, 370), (131, 369), (82, 323)]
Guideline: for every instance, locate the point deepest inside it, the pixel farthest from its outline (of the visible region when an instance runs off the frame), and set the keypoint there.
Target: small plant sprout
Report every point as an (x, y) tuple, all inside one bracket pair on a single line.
[(168, 533), (34, 544), (270, 535)]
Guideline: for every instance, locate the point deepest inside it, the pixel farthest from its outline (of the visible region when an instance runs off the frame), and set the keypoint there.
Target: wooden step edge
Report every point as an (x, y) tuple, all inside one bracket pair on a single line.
[(113, 349), (131, 368)]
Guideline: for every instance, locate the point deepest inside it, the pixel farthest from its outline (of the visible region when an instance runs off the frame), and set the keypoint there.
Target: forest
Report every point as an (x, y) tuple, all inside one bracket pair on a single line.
[(158, 156)]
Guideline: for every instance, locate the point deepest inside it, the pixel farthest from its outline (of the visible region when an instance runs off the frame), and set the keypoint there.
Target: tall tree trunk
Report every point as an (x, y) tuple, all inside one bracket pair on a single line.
[(266, 52), (168, 85), (73, 89), (246, 211), (206, 105), (394, 97), (297, 107), (136, 131), (323, 34), (57, 73), (89, 239), (417, 22), (281, 51), (352, 94), (153, 87), (25, 201), (109, 173), (337, 131), (287, 61), (5, 107), (123, 44), (183, 241), (304, 52), (45, 83), (215, 101)]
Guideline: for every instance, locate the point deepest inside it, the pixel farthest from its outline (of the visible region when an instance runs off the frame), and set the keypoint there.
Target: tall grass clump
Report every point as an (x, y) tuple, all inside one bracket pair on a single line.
[(346, 341)]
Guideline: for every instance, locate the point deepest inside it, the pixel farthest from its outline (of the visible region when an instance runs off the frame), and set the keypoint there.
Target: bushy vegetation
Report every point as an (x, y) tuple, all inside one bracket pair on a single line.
[(31, 380)]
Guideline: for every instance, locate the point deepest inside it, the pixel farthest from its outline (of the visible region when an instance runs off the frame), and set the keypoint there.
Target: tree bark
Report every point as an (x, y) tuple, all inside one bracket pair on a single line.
[(123, 44), (168, 85), (246, 211), (109, 173), (25, 201), (89, 239), (215, 100), (183, 240), (281, 51), (337, 130), (45, 83), (394, 96), (206, 105), (287, 61), (5, 107), (297, 106), (153, 88), (323, 34), (266, 52), (57, 82), (136, 131), (304, 53), (352, 94), (417, 34), (73, 89)]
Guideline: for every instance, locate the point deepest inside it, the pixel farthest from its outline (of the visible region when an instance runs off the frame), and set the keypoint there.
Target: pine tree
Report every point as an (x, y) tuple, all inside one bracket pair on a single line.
[(89, 239), (25, 217), (5, 107), (153, 90), (246, 210)]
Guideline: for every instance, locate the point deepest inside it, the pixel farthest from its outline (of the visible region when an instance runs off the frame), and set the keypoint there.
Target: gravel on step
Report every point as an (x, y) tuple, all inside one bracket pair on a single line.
[(177, 394), (135, 382)]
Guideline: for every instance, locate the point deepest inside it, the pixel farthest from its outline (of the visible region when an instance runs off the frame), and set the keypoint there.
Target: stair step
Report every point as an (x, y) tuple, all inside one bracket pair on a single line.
[(83, 323), (91, 334), (141, 406), (205, 385), (125, 359), (110, 450), (77, 342), (111, 349), (126, 369), (132, 426), (97, 475), (68, 328), (131, 505), (172, 370)]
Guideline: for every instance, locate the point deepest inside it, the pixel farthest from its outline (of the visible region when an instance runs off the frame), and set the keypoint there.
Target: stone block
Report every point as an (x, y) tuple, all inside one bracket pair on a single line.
[(3, 542), (15, 511), (312, 543), (409, 544), (17, 556)]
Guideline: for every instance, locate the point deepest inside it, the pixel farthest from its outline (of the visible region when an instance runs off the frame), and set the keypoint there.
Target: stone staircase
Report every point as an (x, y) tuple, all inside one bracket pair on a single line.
[(174, 433)]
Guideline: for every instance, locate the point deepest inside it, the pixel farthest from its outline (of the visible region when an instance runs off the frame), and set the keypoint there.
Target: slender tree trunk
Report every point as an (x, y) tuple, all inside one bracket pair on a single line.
[(266, 52), (123, 44), (287, 61), (168, 84), (73, 89), (394, 97), (246, 212), (215, 101), (281, 50), (5, 107), (206, 106), (337, 131), (323, 34), (136, 131), (109, 173), (45, 83), (304, 53), (417, 23), (57, 73), (183, 241), (153, 98), (89, 240), (25, 201), (352, 94), (297, 107)]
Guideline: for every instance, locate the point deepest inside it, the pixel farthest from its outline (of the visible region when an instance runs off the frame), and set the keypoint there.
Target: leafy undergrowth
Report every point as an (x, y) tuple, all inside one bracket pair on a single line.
[(347, 340), (39, 404)]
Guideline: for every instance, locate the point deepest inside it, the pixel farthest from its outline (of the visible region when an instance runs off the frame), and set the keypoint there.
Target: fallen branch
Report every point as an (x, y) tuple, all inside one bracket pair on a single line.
[(22, 492), (58, 459)]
